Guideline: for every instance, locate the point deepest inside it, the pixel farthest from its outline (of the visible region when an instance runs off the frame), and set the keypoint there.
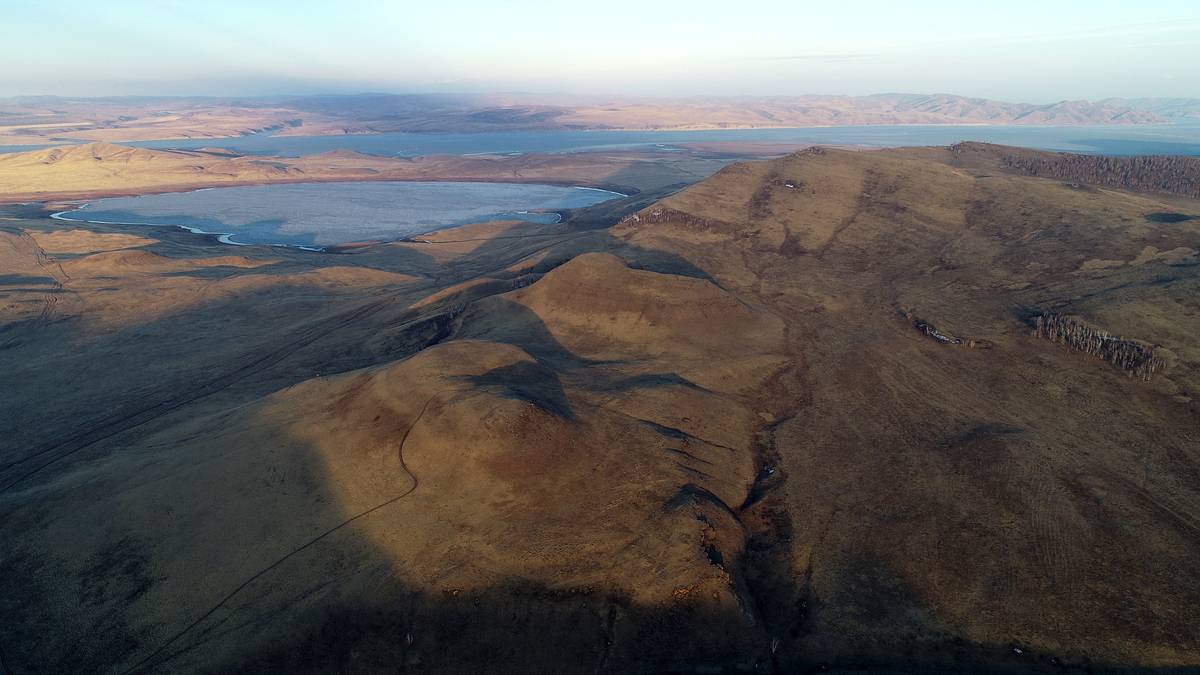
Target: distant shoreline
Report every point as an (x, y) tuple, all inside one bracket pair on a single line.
[(7, 148)]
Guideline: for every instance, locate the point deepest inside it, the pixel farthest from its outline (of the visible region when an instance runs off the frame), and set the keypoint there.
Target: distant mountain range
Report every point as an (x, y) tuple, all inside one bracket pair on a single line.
[(1165, 107), (48, 119)]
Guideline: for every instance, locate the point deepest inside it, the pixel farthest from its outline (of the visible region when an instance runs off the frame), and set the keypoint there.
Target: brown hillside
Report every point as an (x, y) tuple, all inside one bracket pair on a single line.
[(792, 418)]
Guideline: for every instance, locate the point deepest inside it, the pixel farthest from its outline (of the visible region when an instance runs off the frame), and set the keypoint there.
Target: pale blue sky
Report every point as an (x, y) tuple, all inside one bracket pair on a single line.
[(1016, 50)]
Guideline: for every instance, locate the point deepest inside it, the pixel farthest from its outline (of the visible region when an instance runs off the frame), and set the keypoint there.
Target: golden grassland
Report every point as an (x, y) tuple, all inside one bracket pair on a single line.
[(697, 431), (103, 169)]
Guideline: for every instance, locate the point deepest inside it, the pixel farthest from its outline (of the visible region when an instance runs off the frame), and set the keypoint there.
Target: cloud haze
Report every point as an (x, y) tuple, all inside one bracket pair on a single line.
[(1026, 51)]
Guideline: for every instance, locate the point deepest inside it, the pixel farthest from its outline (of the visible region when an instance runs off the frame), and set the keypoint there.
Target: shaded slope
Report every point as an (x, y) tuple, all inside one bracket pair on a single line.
[(711, 436)]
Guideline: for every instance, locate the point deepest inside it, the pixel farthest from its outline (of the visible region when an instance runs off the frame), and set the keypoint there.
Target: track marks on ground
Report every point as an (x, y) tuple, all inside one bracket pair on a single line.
[(1057, 535), (104, 429), (152, 658)]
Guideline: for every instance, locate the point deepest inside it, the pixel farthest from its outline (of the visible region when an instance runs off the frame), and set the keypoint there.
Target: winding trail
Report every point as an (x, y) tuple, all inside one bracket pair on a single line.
[(148, 660)]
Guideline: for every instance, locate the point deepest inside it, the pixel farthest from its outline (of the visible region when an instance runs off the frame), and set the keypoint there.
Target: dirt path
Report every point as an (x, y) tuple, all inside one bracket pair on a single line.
[(114, 425), (152, 658)]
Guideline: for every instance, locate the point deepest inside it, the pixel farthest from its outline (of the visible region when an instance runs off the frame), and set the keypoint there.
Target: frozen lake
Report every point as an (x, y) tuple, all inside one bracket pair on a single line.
[(324, 214)]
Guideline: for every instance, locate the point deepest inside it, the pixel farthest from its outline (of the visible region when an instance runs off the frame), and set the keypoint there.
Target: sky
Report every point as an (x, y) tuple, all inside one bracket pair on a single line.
[(1036, 52)]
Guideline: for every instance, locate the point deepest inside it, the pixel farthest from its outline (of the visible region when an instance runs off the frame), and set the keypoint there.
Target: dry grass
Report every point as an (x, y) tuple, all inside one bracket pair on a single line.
[(103, 169), (705, 437)]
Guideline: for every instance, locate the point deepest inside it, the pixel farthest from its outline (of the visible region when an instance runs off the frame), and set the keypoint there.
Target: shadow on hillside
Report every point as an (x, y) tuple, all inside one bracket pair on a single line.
[(522, 628), (503, 320), (336, 603), (301, 589), (525, 381)]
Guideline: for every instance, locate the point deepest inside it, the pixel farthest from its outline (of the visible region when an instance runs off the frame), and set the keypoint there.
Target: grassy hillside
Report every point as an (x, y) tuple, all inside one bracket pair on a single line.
[(792, 417)]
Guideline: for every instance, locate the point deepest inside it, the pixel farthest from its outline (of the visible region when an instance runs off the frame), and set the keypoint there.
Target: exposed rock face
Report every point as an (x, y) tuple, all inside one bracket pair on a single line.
[(1169, 174), (1130, 356)]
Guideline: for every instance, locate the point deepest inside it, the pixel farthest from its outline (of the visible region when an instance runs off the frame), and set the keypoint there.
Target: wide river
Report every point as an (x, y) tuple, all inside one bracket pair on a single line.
[(1174, 139), (317, 215), (1182, 138)]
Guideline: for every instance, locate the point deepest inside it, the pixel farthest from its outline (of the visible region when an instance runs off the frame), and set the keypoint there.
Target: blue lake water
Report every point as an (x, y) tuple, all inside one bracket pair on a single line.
[(1181, 139), (317, 215), (1178, 139)]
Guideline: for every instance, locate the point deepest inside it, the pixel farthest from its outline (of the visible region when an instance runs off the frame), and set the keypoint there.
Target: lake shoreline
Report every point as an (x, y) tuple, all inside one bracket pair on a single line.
[(228, 238), (107, 193)]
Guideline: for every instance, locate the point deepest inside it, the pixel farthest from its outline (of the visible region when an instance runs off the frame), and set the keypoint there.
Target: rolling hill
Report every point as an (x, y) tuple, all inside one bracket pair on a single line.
[(804, 415)]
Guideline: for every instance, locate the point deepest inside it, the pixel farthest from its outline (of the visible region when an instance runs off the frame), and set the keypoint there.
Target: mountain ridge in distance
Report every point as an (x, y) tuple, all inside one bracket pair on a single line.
[(37, 120)]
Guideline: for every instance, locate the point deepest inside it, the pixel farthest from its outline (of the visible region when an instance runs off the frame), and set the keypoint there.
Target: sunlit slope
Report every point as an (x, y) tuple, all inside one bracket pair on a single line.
[(792, 416), (105, 169), (1009, 493)]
